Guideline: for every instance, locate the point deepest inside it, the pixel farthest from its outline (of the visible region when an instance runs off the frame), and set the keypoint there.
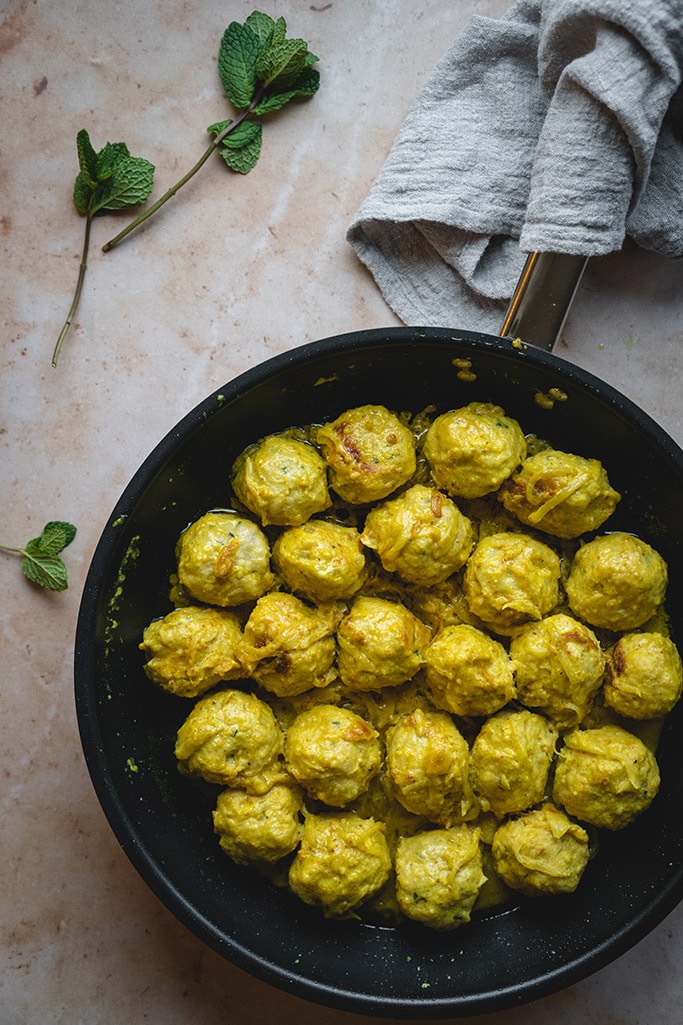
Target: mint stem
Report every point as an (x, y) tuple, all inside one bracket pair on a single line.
[(77, 294), (6, 548), (255, 100)]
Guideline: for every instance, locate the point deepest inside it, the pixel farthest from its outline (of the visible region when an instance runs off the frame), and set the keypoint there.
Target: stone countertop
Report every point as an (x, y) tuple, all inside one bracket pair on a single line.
[(233, 271)]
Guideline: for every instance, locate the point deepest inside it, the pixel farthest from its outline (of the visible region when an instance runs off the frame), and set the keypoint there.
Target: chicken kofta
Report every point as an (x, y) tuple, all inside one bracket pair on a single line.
[(617, 581), (224, 559), (343, 860), (560, 493), (511, 579), (541, 852), (192, 649), (381, 644), (472, 450), (439, 874), (369, 452), (283, 480), (321, 560)]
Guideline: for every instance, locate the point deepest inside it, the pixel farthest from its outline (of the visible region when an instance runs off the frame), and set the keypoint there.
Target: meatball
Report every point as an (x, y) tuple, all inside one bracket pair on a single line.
[(467, 672), (342, 861), (231, 737), (421, 536), (289, 647), (381, 644), (224, 559), (438, 876), (510, 761), (192, 649), (605, 776), (320, 560), (560, 493), (559, 666), (472, 450), (369, 452), (644, 676), (333, 753), (427, 763), (616, 581), (541, 852), (282, 480), (259, 827), (511, 579)]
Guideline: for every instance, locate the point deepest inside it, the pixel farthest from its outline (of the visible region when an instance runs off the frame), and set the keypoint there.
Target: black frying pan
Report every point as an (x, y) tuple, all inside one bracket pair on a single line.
[(505, 957)]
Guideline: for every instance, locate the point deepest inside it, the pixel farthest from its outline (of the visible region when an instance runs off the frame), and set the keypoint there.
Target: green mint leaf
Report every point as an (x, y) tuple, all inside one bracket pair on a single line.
[(87, 159), (129, 184), (55, 536), (241, 147), (279, 32), (45, 570), (306, 85), (82, 194), (237, 57), (109, 158), (263, 27), (283, 63)]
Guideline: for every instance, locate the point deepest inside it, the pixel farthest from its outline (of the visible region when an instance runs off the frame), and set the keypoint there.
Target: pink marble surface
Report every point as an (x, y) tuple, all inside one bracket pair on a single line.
[(232, 272)]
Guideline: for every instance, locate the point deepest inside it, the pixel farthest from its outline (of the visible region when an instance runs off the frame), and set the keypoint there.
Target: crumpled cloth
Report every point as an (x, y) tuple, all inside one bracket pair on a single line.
[(556, 128)]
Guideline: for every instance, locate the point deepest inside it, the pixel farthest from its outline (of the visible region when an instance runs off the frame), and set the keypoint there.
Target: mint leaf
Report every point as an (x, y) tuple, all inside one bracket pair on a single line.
[(40, 560), (263, 27), (55, 536), (237, 57), (284, 62), (306, 85), (109, 180), (240, 148), (45, 570), (87, 159), (129, 184)]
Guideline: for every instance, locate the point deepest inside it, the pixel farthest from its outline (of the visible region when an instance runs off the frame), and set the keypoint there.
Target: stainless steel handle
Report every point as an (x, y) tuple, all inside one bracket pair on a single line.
[(544, 294)]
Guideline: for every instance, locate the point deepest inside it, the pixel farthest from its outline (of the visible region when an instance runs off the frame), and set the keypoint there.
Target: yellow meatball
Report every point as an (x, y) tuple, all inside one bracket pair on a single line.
[(224, 559), (192, 649), (320, 560), (289, 647), (427, 763), (333, 753), (421, 536), (541, 852), (472, 450), (282, 480), (605, 776), (559, 666), (467, 672), (370, 453), (617, 582), (560, 493), (510, 761), (231, 737), (438, 876), (381, 644), (342, 861), (511, 579), (259, 827), (644, 676)]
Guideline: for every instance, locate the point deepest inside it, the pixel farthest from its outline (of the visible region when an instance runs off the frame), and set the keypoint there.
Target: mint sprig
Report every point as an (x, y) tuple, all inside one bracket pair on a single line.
[(261, 70), (109, 180), (40, 559)]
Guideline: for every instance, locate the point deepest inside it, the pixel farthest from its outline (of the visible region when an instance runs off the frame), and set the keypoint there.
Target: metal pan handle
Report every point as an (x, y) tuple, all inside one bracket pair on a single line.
[(544, 293)]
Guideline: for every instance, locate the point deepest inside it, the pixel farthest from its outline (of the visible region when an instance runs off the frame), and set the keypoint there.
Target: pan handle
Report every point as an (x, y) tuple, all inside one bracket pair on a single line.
[(544, 293)]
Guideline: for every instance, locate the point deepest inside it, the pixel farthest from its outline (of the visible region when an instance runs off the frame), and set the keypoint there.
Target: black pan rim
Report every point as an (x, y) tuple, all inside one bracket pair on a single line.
[(91, 740)]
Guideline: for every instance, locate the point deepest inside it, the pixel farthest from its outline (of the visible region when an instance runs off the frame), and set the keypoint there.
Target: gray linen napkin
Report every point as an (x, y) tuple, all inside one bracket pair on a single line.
[(554, 129)]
